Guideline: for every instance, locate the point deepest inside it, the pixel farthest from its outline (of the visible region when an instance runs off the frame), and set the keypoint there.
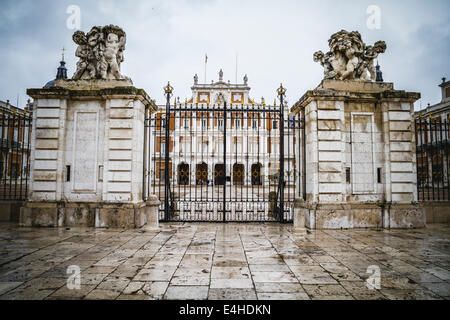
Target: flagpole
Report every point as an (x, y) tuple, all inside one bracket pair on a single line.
[(206, 62)]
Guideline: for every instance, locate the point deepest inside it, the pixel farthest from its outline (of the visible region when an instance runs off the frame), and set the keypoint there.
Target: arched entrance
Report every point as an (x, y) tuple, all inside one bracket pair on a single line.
[(238, 174), (256, 174), (219, 174), (183, 174), (201, 174)]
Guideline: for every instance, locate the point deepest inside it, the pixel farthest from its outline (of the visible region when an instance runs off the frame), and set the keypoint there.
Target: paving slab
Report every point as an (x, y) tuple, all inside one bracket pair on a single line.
[(225, 261)]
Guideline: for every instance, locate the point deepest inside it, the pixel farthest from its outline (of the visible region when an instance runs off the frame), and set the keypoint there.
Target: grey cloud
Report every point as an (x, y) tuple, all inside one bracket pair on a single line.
[(167, 40)]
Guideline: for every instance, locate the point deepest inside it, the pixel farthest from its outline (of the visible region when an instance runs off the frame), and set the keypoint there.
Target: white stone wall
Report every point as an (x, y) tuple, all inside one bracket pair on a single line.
[(400, 149), (123, 168), (102, 142), (331, 151), (83, 151), (366, 140), (47, 150)]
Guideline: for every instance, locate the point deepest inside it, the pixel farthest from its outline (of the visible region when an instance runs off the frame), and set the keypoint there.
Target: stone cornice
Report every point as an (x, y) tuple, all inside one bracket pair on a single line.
[(106, 93), (319, 94)]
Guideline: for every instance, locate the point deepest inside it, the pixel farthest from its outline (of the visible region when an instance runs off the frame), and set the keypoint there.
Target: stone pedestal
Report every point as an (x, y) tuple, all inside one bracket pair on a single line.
[(359, 157), (87, 155), (152, 212), (299, 214)]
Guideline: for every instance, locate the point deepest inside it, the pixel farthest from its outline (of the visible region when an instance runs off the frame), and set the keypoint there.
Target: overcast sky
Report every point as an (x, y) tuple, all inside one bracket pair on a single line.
[(274, 41)]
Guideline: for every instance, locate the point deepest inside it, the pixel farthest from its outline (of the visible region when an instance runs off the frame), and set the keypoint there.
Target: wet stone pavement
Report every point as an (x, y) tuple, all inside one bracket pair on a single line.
[(224, 261)]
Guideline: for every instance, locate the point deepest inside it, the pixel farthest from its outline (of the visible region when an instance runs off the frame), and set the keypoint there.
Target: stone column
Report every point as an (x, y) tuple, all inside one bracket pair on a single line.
[(152, 212), (87, 155), (360, 157)]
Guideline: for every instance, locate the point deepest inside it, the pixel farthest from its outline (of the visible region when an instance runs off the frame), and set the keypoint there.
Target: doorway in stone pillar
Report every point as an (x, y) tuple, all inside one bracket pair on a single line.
[(219, 155)]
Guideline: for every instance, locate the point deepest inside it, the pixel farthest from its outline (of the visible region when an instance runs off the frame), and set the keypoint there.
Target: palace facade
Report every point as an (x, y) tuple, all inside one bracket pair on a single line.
[(197, 131)]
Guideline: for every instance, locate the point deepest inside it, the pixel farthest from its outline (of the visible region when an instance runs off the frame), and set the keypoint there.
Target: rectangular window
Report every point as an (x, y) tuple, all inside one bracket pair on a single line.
[(186, 123), (68, 173), (238, 124), (220, 124), (100, 173), (347, 175), (275, 124), (255, 124), (204, 124), (379, 175)]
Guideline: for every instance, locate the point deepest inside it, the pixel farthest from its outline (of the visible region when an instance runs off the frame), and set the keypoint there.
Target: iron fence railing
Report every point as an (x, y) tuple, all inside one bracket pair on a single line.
[(433, 167), (15, 140)]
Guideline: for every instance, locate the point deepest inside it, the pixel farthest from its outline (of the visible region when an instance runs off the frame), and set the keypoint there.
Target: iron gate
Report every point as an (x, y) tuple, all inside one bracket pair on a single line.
[(222, 162)]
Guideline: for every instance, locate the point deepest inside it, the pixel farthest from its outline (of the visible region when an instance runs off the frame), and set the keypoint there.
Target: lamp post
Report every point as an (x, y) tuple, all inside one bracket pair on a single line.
[(169, 93), (224, 200), (281, 93)]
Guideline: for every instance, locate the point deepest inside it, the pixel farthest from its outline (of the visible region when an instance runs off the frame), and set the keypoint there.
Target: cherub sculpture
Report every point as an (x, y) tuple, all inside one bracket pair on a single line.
[(349, 58), (82, 52), (352, 54), (370, 54), (324, 60), (100, 52), (115, 40), (96, 47)]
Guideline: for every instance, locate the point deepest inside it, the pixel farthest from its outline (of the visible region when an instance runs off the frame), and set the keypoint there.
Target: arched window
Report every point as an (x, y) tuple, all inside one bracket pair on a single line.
[(183, 174), (201, 174), (238, 174), (219, 174), (256, 174)]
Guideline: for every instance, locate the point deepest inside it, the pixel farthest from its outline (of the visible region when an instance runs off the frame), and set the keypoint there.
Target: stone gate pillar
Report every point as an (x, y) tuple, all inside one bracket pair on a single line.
[(359, 163), (87, 157), (360, 157)]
